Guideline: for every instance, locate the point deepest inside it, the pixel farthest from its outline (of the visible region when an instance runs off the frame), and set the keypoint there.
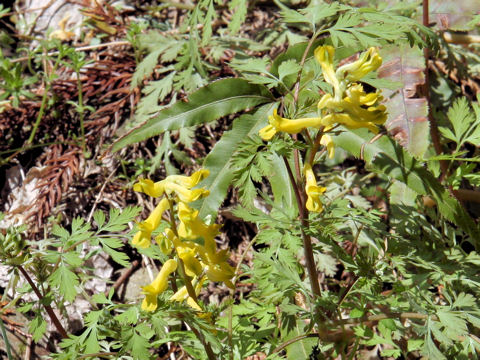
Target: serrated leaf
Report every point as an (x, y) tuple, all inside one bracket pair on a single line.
[(255, 65), (155, 92), (209, 103), (239, 11), (130, 316), (117, 256), (389, 158), (37, 328), (218, 160), (60, 232), (295, 53), (407, 116), (99, 217), (72, 258), (299, 349), (118, 220), (293, 16), (91, 343), (288, 67), (464, 300), (453, 323), (66, 281), (401, 194), (414, 344), (145, 67), (326, 263), (261, 80), (356, 313)]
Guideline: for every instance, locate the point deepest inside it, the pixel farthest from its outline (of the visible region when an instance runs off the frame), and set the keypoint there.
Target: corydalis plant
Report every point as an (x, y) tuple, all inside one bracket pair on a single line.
[(348, 105), (190, 241)]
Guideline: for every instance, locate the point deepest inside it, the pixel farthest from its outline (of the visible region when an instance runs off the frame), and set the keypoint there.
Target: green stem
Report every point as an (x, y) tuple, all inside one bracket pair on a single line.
[(40, 115), (44, 101), (5, 339)]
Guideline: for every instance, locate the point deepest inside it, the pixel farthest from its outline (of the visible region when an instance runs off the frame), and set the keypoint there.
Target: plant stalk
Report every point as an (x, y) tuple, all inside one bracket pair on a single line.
[(48, 308), (188, 285), (307, 240)]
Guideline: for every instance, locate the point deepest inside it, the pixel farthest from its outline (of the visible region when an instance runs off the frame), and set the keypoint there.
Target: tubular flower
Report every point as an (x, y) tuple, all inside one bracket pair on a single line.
[(192, 239), (357, 109), (324, 55), (221, 272), (158, 286), (278, 123), (192, 265), (350, 105), (192, 227), (182, 294), (143, 237), (166, 241), (367, 62), (327, 141), (179, 185), (189, 181), (313, 191)]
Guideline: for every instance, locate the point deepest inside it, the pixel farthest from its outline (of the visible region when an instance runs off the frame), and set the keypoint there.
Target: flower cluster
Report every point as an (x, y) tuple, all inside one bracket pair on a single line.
[(349, 105), (191, 242)]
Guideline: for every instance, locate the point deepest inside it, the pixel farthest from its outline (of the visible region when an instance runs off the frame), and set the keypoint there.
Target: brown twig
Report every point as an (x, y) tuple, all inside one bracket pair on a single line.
[(307, 241), (80, 48), (124, 276), (434, 133), (48, 308)]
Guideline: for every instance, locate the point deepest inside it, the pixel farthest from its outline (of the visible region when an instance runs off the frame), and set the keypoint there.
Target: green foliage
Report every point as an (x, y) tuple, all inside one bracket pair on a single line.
[(219, 161), (464, 124), (208, 104), (395, 250)]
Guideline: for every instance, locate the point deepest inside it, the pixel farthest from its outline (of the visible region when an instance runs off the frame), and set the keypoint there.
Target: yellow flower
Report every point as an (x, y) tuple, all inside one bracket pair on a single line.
[(142, 238), (356, 110), (189, 181), (179, 185), (193, 267), (324, 55), (166, 241), (158, 286), (268, 131), (278, 123), (192, 227), (221, 272), (327, 141), (367, 62), (150, 188), (182, 294), (313, 191), (62, 34)]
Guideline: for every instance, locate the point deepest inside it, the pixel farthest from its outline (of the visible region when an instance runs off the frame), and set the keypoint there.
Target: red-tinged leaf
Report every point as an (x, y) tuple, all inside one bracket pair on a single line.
[(407, 114), (453, 14)]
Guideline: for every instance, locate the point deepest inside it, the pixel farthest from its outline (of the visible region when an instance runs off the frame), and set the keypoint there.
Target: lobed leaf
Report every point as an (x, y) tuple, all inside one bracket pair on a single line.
[(218, 161), (392, 160), (407, 116)]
